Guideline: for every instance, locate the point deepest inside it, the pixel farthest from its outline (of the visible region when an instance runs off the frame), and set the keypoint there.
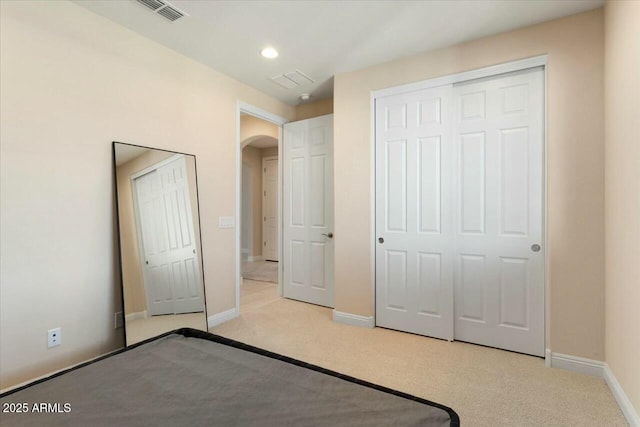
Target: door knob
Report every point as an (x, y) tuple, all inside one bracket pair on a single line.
[(380, 240), (329, 235), (535, 248)]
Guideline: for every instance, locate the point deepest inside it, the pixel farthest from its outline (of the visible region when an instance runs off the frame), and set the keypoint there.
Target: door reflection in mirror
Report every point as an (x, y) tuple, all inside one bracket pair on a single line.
[(160, 253)]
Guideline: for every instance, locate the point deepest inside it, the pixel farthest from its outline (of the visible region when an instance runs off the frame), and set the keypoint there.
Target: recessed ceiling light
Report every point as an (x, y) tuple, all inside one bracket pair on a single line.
[(269, 52), (305, 97)]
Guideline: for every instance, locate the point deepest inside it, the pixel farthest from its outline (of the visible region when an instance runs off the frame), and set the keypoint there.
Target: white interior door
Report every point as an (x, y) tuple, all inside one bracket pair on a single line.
[(270, 208), (171, 271), (459, 212), (308, 210), (414, 224), (499, 278)]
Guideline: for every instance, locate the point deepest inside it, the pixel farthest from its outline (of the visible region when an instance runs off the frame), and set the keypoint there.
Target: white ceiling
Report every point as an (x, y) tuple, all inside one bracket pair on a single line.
[(264, 142), (323, 38)]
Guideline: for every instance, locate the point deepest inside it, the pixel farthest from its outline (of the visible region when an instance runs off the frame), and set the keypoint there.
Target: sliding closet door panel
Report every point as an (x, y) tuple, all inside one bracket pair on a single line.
[(498, 193), (414, 227)]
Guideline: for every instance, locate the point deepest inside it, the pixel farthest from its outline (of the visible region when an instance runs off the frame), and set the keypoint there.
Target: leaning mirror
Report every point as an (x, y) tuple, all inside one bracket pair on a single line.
[(160, 253)]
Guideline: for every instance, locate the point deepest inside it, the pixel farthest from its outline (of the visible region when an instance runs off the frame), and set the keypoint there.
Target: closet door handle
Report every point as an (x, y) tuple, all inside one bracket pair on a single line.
[(329, 235), (380, 240)]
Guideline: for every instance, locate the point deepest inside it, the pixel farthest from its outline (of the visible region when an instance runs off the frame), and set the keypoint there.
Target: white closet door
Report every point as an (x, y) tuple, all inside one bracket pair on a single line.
[(172, 274), (499, 262), (270, 208), (308, 210), (459, 212), (414, 227)]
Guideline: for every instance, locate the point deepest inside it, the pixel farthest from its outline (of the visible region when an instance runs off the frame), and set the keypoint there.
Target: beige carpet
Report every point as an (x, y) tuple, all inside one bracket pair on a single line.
[(141, 329), (486, 387), (264, 271)]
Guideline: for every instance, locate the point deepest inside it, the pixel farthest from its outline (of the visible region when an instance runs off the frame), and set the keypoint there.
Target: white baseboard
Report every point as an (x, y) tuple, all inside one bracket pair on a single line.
[(600, 370), (547, 357), (578, 364), (136, 315), (255, 258), (621, 397), (220, 318), (353, 319)]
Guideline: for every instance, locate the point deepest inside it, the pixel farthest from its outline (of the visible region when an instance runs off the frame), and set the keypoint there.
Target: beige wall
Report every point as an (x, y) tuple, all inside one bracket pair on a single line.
[(269, 152), (253, 158), (575, 309), (72, 82), (314, 109), (622, 185), (253, 128)]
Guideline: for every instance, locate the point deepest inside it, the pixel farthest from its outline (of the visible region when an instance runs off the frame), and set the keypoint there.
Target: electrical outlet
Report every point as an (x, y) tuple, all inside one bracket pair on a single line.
[(118, 320), (54, 337)]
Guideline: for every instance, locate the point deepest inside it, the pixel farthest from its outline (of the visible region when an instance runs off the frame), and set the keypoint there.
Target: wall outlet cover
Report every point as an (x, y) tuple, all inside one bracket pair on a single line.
[(118, 320), (54, 337)]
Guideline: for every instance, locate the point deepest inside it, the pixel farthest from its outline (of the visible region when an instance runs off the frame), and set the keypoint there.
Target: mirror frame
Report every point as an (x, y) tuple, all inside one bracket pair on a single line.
[(119, 239)]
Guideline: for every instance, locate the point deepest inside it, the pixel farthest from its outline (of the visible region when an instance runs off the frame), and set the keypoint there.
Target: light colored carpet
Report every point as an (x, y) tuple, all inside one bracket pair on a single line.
[(263, 271), (141, 329), (486, 387)]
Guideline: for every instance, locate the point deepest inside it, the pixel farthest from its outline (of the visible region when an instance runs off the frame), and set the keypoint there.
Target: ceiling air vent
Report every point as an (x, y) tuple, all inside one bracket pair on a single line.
[(293, 79), (152, 4), (164, 9), (170, 13)]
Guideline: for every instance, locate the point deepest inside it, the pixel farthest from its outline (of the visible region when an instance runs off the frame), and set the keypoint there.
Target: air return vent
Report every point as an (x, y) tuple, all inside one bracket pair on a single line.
[(152, 4), (164, 9), (293, 79)]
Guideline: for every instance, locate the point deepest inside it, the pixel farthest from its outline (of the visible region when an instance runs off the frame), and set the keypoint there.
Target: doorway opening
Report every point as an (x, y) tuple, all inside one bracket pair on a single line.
[(259, 214)]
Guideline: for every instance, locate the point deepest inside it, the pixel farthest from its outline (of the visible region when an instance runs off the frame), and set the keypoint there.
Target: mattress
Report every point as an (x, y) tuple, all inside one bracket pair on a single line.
[(193, 378)]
